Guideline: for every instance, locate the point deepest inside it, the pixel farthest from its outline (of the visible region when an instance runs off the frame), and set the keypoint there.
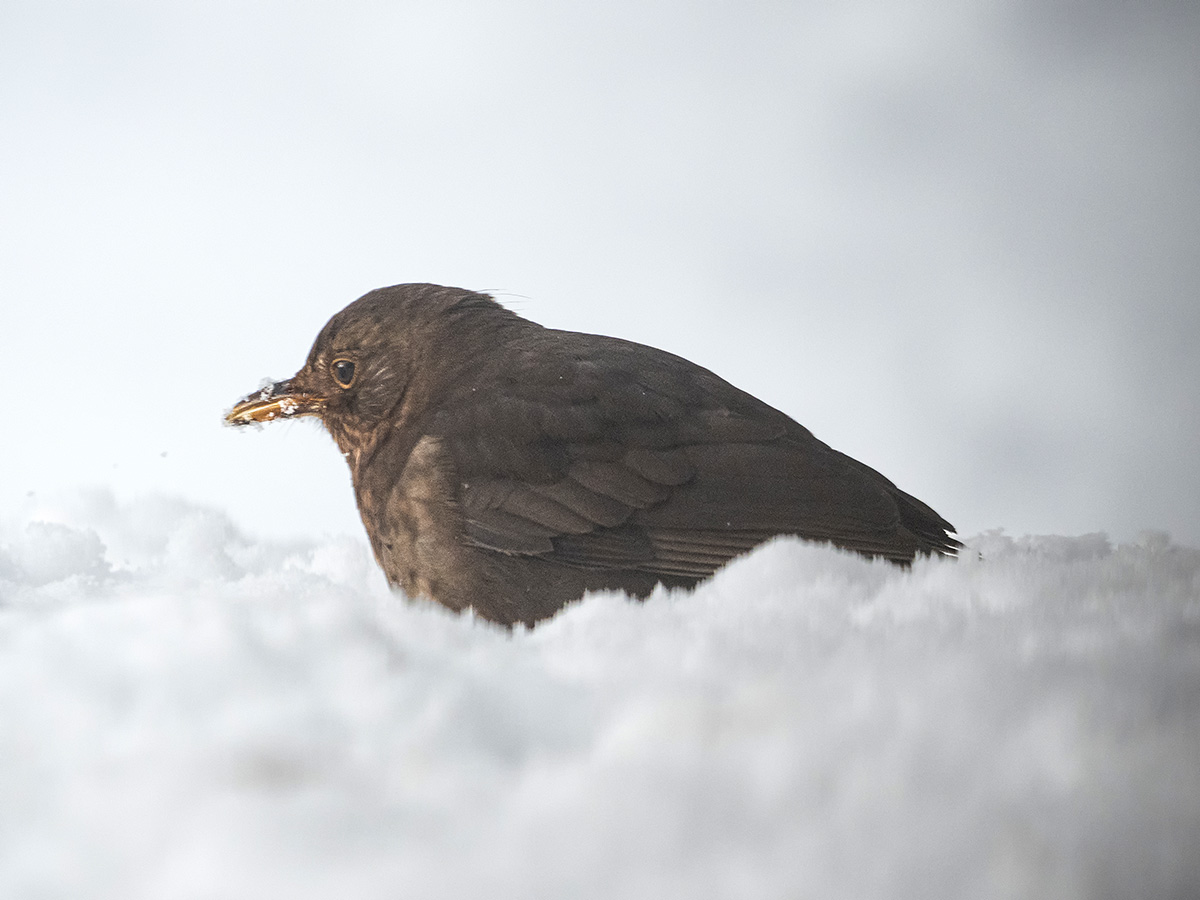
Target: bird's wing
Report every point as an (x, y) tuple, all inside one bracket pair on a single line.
[(617, 456)]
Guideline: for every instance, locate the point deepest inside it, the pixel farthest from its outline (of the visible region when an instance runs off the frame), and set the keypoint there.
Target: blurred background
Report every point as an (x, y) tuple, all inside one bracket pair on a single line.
[(959, 242)]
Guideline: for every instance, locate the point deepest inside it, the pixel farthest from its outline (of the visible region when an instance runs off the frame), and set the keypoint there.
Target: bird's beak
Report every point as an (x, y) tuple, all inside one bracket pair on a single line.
[(282, 400)]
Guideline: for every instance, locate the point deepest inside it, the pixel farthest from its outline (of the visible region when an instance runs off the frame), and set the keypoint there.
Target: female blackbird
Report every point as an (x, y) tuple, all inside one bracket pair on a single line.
[(509, 467)]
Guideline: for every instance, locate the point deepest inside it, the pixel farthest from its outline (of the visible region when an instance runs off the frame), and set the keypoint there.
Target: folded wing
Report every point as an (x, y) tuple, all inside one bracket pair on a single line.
[(613, 455)]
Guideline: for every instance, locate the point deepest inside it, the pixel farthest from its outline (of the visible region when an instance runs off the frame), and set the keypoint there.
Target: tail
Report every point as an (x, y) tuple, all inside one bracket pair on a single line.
[(935, 536)]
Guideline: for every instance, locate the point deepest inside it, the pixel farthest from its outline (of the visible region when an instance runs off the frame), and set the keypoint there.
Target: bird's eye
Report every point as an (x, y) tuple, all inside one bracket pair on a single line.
[(343, 372)]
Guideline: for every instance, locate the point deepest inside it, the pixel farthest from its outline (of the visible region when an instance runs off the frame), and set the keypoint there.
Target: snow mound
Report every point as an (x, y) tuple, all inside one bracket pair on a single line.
[(191, 713)]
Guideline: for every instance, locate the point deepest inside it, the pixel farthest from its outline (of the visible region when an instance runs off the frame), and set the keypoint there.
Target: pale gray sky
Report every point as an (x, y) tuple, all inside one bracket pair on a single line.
[(959, 243)]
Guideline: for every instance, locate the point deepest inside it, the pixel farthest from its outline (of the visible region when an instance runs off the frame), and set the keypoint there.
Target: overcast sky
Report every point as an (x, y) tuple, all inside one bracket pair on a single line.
[(959, 242)]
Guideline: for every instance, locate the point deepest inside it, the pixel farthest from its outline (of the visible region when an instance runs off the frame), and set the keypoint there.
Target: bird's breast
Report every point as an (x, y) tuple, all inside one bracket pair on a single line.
[(411, 517)]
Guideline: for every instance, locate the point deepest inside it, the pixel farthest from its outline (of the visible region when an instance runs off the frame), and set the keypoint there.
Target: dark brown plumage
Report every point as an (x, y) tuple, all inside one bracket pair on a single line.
[(509, 467)]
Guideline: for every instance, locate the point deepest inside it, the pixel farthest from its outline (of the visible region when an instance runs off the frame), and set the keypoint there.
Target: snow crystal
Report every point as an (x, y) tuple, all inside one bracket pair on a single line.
[(189, 712)]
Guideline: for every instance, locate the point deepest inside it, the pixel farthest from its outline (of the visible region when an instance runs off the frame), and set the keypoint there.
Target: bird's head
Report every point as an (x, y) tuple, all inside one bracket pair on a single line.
[(380, 360)]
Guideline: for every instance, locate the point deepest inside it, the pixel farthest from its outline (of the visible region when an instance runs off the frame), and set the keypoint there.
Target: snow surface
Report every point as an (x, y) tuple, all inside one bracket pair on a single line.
[(187, 712)]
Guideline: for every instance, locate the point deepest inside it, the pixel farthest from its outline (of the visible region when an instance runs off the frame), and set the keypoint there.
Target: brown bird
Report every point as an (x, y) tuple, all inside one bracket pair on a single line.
[(509, 467)]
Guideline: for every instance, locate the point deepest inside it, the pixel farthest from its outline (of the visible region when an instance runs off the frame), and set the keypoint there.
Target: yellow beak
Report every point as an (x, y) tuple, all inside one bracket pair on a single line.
[(282, 400)]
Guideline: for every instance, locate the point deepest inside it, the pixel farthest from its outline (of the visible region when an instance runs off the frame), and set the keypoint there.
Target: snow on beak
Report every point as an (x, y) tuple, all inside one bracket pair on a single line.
[(282, 400)]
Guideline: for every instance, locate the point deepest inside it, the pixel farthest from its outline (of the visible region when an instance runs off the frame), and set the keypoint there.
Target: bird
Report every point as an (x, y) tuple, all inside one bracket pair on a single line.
[(508, 468)]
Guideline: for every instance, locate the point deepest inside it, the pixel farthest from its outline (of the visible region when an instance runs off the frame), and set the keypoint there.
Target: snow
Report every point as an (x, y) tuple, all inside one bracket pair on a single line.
[(189, 712)]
